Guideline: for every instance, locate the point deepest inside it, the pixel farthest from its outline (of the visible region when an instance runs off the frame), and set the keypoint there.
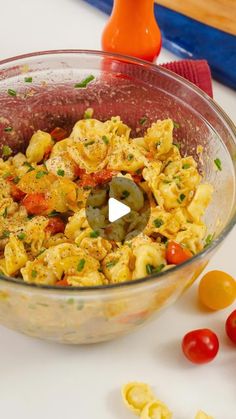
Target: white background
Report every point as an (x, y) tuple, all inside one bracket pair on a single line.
[(44, 380)]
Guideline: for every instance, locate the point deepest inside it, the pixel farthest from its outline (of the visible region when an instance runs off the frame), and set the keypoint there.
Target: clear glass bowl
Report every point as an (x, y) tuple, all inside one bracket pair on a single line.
[(132, 89)]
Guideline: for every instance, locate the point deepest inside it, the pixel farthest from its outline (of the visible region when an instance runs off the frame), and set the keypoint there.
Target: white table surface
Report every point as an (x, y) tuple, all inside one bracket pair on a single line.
[(45, 380)]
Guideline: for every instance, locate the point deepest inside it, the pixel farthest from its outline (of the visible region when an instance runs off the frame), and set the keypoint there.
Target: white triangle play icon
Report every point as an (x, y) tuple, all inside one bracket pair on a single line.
[(116, 210)]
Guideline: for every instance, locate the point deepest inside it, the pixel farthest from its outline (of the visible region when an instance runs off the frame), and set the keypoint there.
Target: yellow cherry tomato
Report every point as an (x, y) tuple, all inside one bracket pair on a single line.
[(217, 290)]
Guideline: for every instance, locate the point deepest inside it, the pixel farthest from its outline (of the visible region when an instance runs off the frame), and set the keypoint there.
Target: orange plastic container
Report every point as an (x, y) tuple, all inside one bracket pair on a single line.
[(132, 30)]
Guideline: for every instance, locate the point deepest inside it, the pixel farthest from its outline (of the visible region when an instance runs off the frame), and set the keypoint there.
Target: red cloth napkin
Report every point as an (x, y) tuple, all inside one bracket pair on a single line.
[(196, 71)]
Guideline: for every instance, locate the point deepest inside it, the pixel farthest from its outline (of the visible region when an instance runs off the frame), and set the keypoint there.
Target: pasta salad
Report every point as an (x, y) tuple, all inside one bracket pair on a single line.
[(45, 236)]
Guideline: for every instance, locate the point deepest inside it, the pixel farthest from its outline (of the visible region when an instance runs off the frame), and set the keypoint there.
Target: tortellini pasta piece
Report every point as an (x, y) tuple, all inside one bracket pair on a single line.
[(55, 258), (15, 255), (61, 164), (151, 175), (200, 201), (37, 272), (202, 415), (61, 147), (148, 258), (156, 410), (192, 236), (39, 144), (136, 396), (117, 127), (63, 193), (36, 181), (96, 247), (76, 224), (90, 279), (88, 129), (126, 156), (91, 146), (35, 233), (116, 265), (159, 138)]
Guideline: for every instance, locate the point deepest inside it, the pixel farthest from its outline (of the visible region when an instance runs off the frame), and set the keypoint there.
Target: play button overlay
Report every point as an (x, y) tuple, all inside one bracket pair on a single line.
[(118, 210)]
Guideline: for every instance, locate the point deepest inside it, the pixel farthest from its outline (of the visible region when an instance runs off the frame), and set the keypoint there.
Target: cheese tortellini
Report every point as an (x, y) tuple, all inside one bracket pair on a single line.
[(140, 399), (45, 232)]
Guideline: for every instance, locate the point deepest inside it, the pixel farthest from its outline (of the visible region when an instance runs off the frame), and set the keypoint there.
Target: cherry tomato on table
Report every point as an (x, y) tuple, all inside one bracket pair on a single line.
[(176, 254), (230, 326), (217, 290), (200, 346)]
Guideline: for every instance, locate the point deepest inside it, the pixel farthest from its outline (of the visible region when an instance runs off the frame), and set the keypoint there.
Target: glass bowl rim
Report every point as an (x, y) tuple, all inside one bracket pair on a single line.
[(156, 68)]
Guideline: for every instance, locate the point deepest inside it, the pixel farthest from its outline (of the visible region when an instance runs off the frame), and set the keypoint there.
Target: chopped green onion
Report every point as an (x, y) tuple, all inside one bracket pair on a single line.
[(6, 151), (143, 120), (30, 216), (94, 234), (27, 164), (6, 175), (8, 129), (61, 172), (5, 234), (158, 222), (89, 143), (53, 214), (166, 181), (130, 157), (81, 264), (151, 270), (88, 113), (83, 83), (177, 145), (159, 268), (40, 174), (16, 180), (218, 164), (186, 166), (209, 239), (105, 139), (28, 79), (40, 252), (11, 92), (34, 273), (70, 301), (21, 236), (125, 194), (4, 214), (182, 197), (111, 264), (176, 125)]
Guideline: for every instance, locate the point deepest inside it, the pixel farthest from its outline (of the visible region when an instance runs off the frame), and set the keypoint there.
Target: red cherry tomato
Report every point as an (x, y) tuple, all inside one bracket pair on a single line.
[(58, 134), (230, 326), (62, 283), (15, 192), (78, 171), (176, 254), (200, 346), (36, 203), (55, 225), (96, 178)]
